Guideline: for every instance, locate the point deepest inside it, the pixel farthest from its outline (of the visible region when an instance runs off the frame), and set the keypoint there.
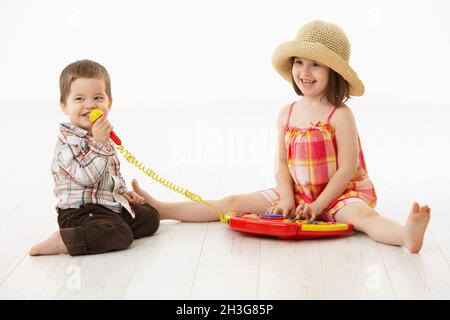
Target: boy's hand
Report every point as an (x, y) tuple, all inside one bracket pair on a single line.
[(284, 207), (308, 211), (133, 197), (101, 130)]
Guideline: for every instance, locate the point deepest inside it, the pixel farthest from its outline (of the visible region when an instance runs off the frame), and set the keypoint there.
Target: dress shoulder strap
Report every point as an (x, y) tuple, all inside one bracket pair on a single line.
[(331, 114), (289, 116)]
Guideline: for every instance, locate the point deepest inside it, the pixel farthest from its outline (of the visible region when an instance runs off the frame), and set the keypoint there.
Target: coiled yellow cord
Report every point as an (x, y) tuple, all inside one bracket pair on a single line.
[(152, 174)]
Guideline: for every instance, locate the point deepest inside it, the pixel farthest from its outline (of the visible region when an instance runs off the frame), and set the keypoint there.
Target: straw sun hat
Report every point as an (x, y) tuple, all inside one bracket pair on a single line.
[(323, 42)]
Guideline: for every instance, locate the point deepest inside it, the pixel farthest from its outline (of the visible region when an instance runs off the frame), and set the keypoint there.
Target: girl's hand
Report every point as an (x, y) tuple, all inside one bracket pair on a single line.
[(284, 207), (101, 130), (133, 197), (308, 211)]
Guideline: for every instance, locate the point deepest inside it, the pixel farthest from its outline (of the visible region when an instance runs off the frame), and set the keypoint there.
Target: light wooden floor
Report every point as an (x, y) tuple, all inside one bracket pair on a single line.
[(217, 152)]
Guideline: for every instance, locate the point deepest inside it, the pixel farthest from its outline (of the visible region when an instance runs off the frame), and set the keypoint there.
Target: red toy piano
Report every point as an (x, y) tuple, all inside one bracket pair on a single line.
[(284, 228)]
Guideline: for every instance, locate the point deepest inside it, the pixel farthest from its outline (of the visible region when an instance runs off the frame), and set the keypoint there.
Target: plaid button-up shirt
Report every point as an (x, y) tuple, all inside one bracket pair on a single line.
[(87, 172)]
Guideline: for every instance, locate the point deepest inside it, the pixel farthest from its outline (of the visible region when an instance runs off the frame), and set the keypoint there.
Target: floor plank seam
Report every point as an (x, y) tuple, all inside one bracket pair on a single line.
[(439, 247), (12, 271), (387, 271), (198, 262), (134, 270), (23, 257), (259, 269)]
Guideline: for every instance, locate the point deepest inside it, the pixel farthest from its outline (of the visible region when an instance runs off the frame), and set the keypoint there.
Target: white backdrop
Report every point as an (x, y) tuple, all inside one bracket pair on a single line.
[(197, 52)]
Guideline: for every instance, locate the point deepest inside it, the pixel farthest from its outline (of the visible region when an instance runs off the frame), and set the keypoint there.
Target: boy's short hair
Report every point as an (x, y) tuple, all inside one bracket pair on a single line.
[(82, 69), (337, 90)]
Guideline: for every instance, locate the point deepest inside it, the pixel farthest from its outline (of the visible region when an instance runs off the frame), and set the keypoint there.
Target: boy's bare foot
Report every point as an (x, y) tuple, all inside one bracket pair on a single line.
[(53, 245), (148, 198), (415, 227)]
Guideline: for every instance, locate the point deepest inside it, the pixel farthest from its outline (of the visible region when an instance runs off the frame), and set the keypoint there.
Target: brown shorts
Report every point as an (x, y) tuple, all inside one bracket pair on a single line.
[(93, 229)]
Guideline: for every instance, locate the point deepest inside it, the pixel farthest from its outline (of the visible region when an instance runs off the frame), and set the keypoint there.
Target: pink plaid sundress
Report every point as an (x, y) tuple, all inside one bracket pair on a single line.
[(312, 160)]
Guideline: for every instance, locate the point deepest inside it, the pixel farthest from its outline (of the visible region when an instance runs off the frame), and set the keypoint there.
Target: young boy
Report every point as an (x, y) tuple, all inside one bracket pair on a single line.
[(96, 212)]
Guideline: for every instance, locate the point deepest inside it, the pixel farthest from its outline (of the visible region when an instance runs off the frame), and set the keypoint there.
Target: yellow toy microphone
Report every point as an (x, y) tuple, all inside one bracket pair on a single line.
[(97, 113)]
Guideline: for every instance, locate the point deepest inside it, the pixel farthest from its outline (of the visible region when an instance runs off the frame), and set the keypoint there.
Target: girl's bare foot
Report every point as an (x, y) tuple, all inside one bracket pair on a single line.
[(148, 198), (53, 245), (415, 227)]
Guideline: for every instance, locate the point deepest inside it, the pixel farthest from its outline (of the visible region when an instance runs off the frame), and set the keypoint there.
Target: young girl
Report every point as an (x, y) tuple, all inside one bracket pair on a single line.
[(321, 172)]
